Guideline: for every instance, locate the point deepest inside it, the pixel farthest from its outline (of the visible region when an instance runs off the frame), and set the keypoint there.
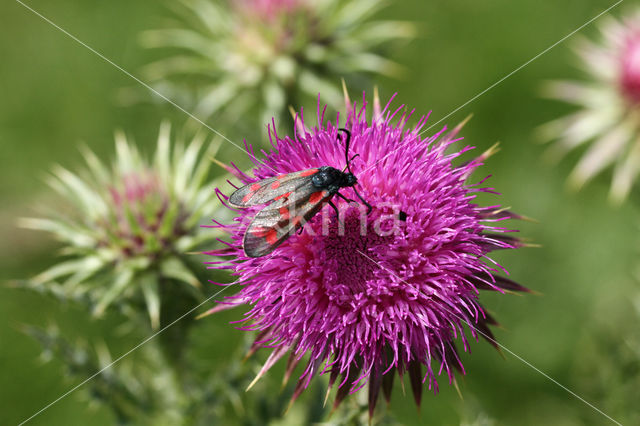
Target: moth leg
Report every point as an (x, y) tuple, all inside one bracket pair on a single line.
[(348, 200), (369, 207), (300, 230), (335, 208)]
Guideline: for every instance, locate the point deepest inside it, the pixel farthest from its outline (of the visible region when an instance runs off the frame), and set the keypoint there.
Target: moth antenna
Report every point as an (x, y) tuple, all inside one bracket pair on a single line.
[(348, 160), (346, 150)]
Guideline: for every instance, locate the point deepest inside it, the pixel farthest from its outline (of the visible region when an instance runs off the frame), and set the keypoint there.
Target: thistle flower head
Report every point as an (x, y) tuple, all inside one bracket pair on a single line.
[(268, 10), (254, 58), (609, 114), (367, 295), (630, 75), (131, 225)]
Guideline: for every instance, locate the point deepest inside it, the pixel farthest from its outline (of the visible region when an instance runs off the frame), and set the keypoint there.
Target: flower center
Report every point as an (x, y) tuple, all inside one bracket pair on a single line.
[(630, 78), (136, 224), (348, 262), (268, 10)]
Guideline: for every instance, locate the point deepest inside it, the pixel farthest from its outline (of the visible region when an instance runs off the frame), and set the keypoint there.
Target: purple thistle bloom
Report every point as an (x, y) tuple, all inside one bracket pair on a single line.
[(394, 298), (605, 122), (268, 10)]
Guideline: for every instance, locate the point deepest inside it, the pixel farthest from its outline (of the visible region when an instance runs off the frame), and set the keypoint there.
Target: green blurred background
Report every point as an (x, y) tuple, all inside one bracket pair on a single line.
[(582, 329)]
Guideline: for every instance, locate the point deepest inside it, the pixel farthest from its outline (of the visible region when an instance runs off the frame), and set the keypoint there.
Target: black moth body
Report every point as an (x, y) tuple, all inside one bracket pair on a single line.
[(293, 199)]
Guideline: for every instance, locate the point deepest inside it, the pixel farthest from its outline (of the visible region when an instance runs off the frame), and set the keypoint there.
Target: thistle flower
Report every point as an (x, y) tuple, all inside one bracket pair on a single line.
[(254, 58), (367, 296), (131, 227), (609, 102)]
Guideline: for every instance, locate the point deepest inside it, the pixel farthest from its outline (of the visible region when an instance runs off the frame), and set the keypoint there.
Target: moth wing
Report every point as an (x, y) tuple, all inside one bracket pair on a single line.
[(272, 226), (295, 198), (270, 189)]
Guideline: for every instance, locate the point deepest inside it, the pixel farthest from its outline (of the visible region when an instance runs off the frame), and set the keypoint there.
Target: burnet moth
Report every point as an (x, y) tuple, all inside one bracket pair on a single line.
[(293, 199)]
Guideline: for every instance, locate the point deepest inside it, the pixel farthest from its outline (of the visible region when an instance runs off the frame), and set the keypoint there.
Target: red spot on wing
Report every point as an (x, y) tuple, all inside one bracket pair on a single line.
[(255, 186), (281, 176), (285, 195), (272, 236), (275, 184), (259, 231), (284, 213), (296, 220), (309, 172), (247, 197), (316, 197), (269, 234)]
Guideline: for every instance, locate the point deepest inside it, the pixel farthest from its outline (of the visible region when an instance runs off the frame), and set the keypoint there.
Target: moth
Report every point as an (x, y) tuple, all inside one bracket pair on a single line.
[(291, 200)]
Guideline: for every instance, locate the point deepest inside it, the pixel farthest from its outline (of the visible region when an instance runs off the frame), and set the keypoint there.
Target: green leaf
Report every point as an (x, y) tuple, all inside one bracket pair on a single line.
[(67, 268), (197, 182), (217, 97), (132, 220), (139, 263), (161, 162), (354, 12), (65, 232), (180, 65), (372, 63), (86, 196), (119, 284), (97, 169), (169, 220), (184, 165), (178, 38), (149, 284), (378, 32), (90, 266), (174, 268), (311, 84), (213, 17), (125, 153)]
